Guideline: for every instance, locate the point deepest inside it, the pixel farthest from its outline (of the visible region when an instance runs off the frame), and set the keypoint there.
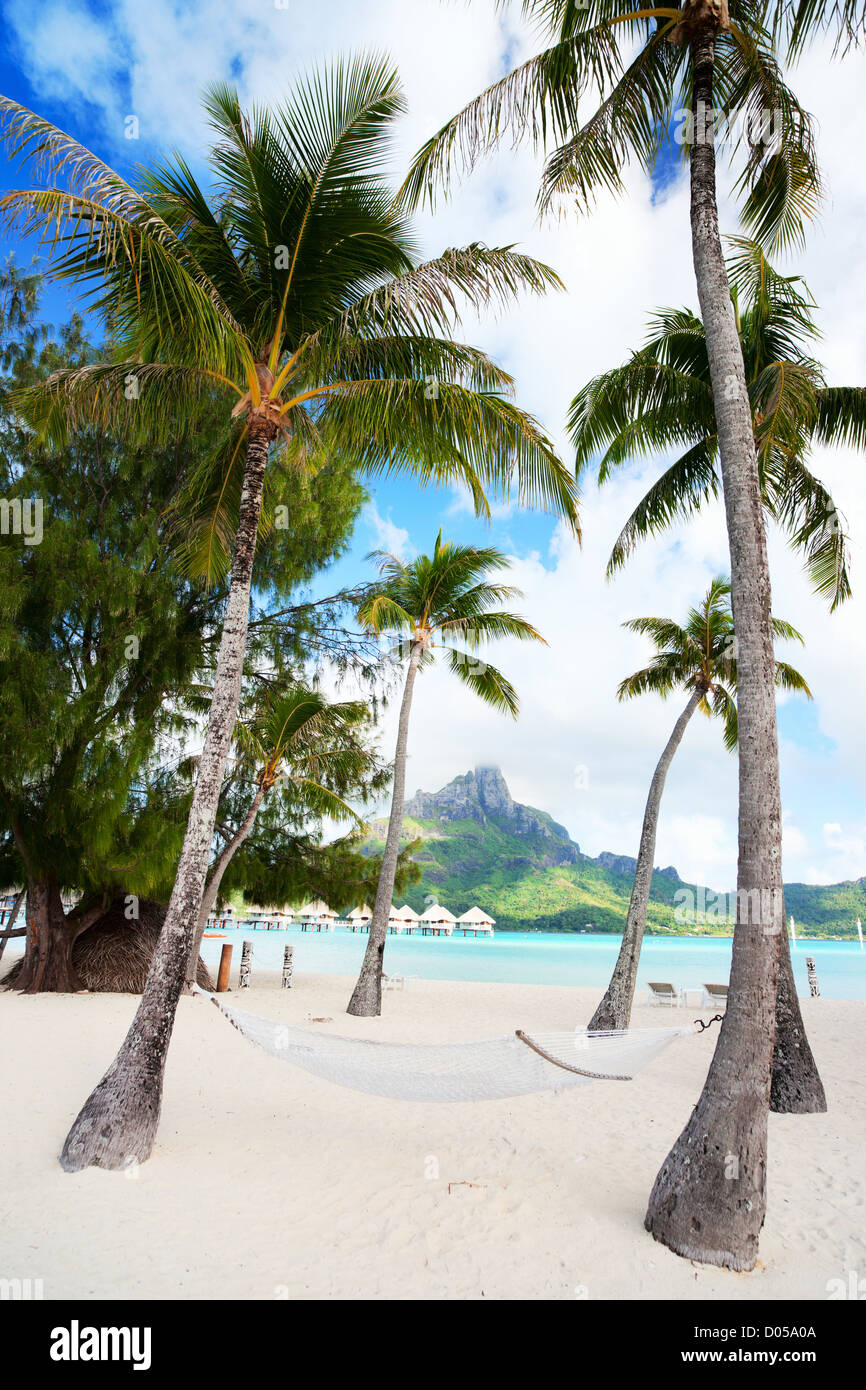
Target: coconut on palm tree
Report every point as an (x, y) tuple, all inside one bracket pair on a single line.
[(698, 658), (290, 304), (658, 71), (306, 747), (661, 400), (441, 601)]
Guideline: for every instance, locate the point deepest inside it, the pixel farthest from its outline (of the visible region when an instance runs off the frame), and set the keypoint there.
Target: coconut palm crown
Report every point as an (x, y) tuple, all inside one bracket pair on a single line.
[(288, 297), (445, 601), (701, 656), (661, 400), (634, 65)]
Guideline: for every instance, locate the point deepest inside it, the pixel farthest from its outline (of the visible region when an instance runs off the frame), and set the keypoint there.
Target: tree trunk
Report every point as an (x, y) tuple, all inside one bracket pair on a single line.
[(366, 1000), (709, 1198), (796, 1087), (614, 1011), (221, 863), (47, 966), (117, 1123)]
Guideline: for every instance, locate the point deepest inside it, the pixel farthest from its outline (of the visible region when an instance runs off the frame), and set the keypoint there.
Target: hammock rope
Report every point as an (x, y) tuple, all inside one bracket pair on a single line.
[(579, 1071), (492, 1069)]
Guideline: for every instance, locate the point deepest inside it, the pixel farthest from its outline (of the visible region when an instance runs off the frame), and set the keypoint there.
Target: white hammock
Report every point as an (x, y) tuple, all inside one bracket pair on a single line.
[(487, 1070)]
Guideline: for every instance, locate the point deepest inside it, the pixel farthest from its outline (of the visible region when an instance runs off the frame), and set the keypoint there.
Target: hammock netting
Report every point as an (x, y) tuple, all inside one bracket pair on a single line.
[(489, 1070)]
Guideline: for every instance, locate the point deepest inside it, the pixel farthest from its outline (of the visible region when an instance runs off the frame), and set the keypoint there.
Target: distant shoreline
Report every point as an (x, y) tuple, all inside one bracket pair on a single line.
[(667, 935)]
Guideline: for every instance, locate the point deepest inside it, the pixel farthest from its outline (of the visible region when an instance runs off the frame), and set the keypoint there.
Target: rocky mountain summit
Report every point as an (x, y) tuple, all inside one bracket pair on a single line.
[(624, 864), (483, 796)]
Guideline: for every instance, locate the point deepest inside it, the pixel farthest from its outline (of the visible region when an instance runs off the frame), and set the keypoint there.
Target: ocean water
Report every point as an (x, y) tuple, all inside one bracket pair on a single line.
[(539, 958)]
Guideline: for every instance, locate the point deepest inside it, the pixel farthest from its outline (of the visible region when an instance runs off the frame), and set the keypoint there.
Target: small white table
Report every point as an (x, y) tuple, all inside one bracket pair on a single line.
[(692, 998)]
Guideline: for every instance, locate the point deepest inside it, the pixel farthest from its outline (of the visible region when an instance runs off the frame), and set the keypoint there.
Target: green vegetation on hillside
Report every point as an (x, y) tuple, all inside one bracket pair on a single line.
[(466, 861)]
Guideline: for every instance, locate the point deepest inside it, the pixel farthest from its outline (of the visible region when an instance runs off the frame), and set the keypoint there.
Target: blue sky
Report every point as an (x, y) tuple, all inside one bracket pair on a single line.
[(575, 751)]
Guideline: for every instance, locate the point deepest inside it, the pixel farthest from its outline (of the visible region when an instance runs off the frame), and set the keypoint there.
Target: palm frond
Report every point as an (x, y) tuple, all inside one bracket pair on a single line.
[(800, 22), (485, 681), (803, 506), (724, 707), (632, 121), (677, 494), (147, 402), (382, 613), (478, 628), (701, 657), (636, 410), (841, 416), (537, 99), (429, 298), (789, 679), (451, 436), (109, 236), (780, 180)]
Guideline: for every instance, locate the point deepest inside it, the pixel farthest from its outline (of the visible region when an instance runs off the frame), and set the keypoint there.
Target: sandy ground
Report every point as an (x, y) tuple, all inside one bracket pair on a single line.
[(270, 1183)]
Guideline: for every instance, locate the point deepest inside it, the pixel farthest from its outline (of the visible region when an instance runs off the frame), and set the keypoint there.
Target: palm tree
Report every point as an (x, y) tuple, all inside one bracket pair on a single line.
[(651, 66), (698, 658), (292, 307), (661, 399), (440, 600), (307, 747)]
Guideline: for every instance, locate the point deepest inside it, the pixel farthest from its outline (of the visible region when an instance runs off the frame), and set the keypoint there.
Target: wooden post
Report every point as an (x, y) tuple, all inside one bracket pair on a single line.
[(813, 977), (287, 967), (225, 969), (246, 965)]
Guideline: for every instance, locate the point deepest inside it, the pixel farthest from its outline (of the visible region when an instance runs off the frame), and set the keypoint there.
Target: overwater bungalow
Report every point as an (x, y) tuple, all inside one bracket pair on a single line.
[(437, 921), (316, 916), (359, 919), (409, 919), (475, 921)]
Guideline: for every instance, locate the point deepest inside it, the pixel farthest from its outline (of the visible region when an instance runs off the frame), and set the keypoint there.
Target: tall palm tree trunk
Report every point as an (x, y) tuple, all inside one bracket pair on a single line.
[(366, 1000), (614, 1011), (117, 1123), (221, 863), (796, 1087), (709, 1198)]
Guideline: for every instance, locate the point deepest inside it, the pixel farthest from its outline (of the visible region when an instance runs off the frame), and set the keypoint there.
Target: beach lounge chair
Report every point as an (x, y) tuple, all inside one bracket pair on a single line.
[(659, 993), (397, 981), (715, 997)]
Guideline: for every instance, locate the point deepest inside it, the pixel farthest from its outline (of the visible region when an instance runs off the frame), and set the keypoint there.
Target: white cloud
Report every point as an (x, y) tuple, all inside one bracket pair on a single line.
[(71, 55), (389, 536), (795, 845), (847, 849)]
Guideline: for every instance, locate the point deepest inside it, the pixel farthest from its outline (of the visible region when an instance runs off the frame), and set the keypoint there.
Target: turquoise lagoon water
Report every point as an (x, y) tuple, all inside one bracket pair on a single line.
[(539, 958)]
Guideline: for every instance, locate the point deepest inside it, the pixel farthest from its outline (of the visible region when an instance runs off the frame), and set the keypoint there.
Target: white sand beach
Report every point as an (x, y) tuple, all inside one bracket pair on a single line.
[(267, 1182)]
